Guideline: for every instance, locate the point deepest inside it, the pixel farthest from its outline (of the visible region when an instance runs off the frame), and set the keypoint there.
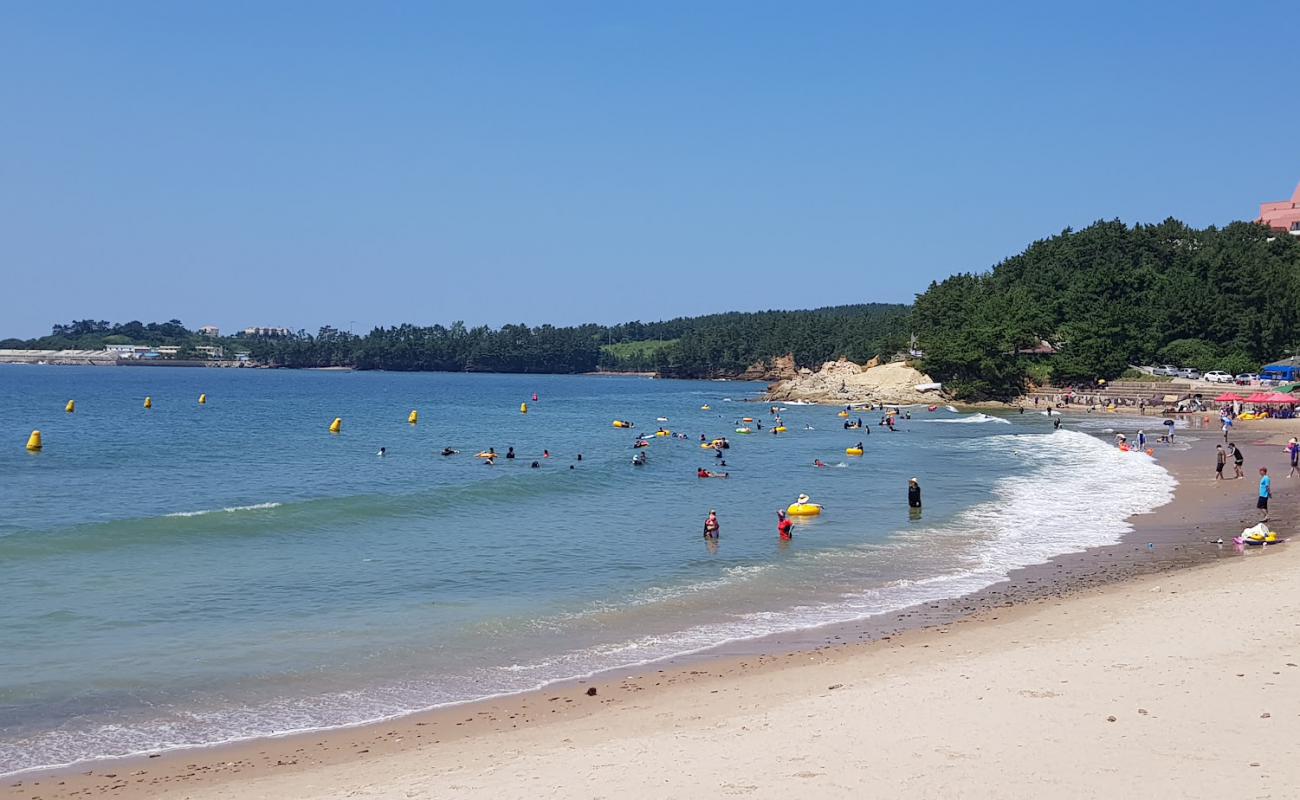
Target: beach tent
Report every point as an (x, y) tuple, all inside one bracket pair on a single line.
[(1283, 399), (1228, 397), (1260, 397)]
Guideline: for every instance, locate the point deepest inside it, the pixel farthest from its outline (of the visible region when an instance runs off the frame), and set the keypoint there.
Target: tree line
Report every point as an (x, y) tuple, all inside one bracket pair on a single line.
[(1110, 296), (717, 345)]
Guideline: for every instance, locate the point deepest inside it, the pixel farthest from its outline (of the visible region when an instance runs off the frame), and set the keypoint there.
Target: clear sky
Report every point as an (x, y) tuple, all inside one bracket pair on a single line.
[(300, 164)]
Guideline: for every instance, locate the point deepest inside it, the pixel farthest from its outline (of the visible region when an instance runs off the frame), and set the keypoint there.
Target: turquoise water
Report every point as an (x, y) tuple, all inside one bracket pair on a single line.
[(192, 574)]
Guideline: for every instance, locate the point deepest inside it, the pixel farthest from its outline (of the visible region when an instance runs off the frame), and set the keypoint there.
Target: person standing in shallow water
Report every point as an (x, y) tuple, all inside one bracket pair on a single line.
[(913, 494), (711, 525), (1220, 458)]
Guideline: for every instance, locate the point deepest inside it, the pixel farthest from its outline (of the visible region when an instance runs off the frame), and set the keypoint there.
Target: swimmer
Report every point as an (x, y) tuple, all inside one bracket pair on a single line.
[(722, 463), (579, 456), (638, 460), (510, 453), (640, 443), (913, 493), (717, 453), (447, 451), (1056, 423), (546, 454), (859, 444), (711, 525), (817, 462), (534, 465), (383, 451), (784, 526)]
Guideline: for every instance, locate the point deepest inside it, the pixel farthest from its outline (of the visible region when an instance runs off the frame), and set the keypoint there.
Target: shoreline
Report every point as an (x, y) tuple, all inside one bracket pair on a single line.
[(1176, 531)]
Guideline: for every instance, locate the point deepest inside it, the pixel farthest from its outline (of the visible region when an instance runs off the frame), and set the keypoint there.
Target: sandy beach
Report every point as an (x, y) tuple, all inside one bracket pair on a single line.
[(1166, 669)]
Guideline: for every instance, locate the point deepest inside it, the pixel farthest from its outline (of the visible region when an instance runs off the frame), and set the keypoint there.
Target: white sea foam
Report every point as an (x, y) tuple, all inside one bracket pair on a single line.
[(227, 510), (977, 417)]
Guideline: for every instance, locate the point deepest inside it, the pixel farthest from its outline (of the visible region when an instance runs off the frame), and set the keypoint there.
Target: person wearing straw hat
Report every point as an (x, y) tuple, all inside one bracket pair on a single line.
[(913, 493)]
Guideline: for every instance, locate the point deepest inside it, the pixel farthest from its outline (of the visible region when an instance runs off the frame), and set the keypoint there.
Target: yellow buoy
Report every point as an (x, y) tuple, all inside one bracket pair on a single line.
[(71, 406), (34, 441), (413, 417), (705, 408), (148, 402), (853, 451), (336, 425), (203, 399), (523, 408)]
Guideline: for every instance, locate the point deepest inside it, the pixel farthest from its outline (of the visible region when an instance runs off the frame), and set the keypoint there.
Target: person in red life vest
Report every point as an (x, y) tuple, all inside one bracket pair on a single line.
[(784, 526), (711, 525)]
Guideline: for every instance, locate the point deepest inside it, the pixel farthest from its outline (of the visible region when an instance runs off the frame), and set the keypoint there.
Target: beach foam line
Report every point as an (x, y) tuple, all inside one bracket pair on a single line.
[(227, 510), (977, 417)]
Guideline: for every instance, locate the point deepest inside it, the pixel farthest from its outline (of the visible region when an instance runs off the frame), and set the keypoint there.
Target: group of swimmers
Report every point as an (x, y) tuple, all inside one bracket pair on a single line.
[(785, 526)]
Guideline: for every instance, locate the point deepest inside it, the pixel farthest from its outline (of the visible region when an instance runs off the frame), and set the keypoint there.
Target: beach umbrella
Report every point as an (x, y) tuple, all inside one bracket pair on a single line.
[(1259, 397), (1228, 397), (1283, 399)]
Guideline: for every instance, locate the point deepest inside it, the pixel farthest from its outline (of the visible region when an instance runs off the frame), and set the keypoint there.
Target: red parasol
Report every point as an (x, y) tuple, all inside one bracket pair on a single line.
[(1228, 397)]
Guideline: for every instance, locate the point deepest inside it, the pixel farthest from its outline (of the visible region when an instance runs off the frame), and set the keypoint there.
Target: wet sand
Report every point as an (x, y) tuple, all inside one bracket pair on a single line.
[(935, 698)]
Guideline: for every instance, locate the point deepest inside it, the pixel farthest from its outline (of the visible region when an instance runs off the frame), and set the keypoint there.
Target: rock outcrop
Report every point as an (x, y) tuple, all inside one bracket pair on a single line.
[(844, 382)]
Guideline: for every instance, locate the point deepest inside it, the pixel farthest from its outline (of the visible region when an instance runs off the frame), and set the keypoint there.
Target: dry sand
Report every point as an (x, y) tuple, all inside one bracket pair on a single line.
[(1179, 684)]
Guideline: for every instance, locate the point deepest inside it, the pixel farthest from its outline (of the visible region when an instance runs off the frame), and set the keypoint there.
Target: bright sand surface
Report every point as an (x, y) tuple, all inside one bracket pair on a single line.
[(1182, 684)]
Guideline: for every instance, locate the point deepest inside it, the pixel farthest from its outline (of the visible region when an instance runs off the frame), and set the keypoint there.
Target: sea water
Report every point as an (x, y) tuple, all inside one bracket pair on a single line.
[(191, 574)]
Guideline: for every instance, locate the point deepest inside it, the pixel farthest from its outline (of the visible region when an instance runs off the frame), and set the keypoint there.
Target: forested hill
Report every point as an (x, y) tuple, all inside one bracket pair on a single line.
[(718, 345), (1109, 296)]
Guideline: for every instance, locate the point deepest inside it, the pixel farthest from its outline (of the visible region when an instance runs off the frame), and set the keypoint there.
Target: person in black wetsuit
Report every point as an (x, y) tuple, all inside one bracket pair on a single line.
[(913, 493)]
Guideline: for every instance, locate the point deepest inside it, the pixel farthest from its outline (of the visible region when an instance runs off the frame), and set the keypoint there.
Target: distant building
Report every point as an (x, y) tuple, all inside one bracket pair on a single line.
[(210, 330), (266, 332), (127, 350), (210, 351), (168, 350), (1284, 216)]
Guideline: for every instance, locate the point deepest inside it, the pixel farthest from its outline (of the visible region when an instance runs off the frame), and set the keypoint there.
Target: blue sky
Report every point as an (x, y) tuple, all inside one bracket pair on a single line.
[(356, 164)]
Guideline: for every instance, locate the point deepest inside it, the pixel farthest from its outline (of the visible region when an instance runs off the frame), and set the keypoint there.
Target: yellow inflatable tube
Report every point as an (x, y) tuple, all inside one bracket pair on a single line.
[(853, 451), (487, 455), (842, 414), (780, 429), (618, 423), (804, 509), (663, 433)]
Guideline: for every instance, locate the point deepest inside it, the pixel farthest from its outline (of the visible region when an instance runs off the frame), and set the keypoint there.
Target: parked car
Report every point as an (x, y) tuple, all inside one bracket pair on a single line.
[(1189, 373), (1217, 376), (1247, 378), (1167, 369)]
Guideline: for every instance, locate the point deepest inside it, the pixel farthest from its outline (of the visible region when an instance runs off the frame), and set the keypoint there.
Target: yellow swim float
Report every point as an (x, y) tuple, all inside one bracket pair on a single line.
[(804, 508), (486, 454), (618, 423), (744, 430), (705, 407), (853, 451), (780, 429), (663, 433), (842, 414)]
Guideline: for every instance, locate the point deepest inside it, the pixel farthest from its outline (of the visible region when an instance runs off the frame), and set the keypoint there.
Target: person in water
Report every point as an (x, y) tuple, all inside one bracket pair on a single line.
[(1220, 458), (784, 527), (1238, 458), (383, 451), (447, 451), (546, 454), (913, 493), (817, 462), (579, 456), (859, 444), (534, 465), (711, 525), (1056, 423), (510, 453)]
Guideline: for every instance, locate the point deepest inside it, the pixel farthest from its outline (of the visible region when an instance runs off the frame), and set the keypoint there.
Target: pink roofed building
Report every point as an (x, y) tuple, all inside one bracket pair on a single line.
[(1284, 216)]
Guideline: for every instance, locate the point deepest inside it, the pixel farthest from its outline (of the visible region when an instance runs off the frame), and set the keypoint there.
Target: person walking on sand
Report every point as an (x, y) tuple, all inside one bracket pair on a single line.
[(1220, 458), (1293, 452), (1265, 492), (1227, 426), (1238, 458)]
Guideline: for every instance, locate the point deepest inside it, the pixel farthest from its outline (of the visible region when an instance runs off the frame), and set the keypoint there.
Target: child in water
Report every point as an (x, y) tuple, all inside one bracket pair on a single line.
[(784, 527)]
